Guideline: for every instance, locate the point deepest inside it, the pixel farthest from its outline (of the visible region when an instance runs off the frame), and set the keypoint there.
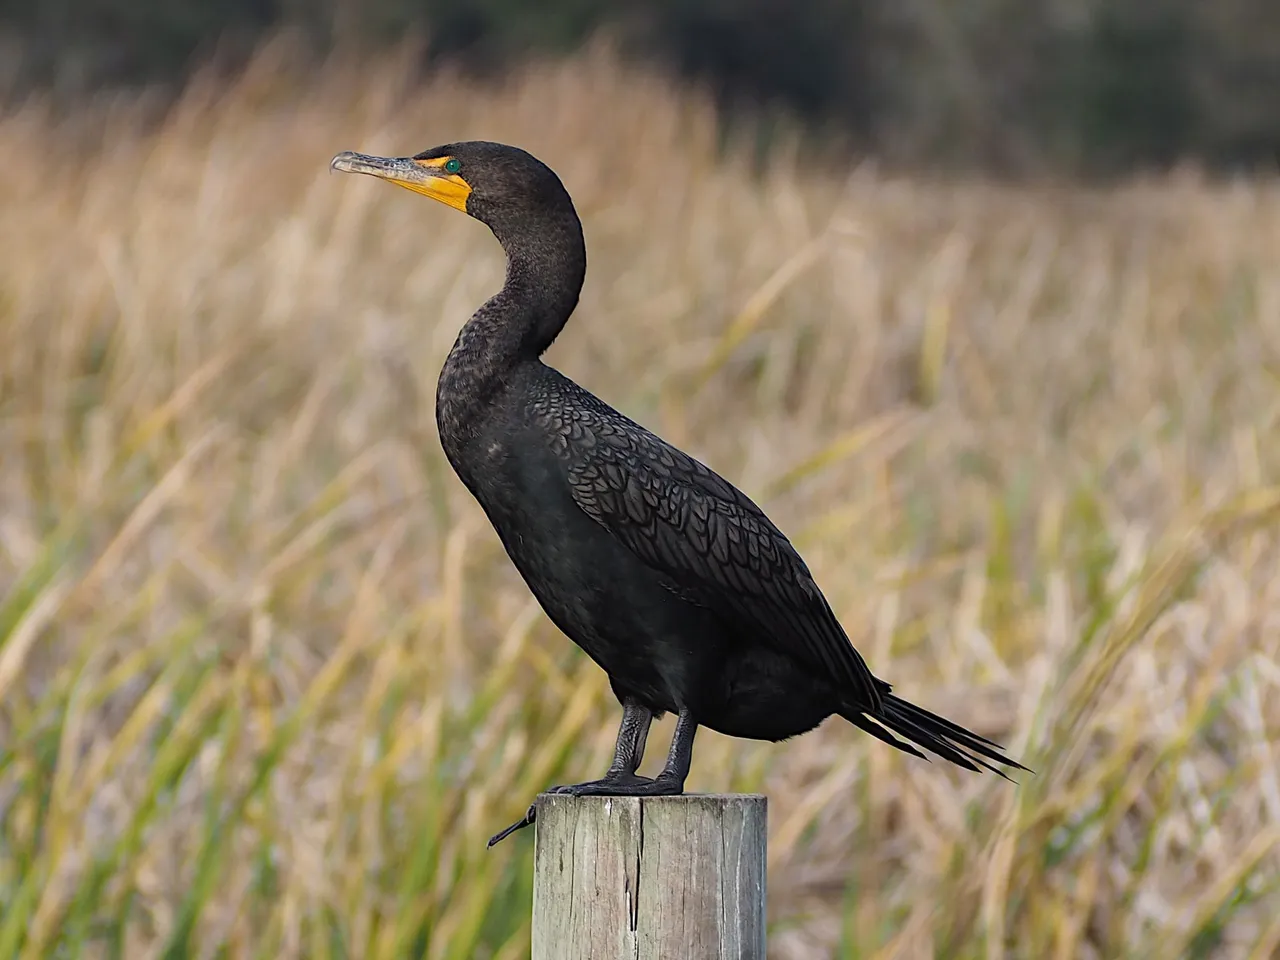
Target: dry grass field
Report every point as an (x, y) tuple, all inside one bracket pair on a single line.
[(268, 681)]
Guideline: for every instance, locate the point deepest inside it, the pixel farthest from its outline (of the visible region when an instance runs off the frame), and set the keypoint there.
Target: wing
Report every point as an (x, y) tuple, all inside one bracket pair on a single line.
[(683, 519)]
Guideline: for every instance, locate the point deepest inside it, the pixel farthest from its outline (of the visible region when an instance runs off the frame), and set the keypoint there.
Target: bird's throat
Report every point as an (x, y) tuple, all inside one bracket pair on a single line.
[(546, 267)]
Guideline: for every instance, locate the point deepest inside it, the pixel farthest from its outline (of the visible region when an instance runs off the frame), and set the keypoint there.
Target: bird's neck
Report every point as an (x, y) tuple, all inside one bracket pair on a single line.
[(545, 270)]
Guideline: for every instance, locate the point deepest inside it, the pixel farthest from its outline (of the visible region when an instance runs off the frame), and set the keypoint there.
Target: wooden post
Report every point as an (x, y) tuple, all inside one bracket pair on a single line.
[(649, 878)]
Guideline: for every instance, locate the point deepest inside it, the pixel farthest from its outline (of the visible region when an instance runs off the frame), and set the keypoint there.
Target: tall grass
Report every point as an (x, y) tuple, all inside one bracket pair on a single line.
[(267, 680)]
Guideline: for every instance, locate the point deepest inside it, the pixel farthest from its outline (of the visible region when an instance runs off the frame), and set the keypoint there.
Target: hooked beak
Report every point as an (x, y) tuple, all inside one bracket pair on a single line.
[(427, 177)]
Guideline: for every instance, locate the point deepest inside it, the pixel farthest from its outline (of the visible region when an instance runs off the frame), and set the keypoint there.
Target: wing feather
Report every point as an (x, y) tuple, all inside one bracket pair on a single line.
[(684, 520)]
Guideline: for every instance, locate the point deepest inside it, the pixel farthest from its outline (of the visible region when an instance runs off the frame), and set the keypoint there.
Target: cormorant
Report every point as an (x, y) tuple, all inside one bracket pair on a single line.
[(668, 576)]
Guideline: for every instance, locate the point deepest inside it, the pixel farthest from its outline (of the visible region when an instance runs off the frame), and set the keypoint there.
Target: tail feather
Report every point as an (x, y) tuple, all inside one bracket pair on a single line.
[(880, 733), (936, 734)]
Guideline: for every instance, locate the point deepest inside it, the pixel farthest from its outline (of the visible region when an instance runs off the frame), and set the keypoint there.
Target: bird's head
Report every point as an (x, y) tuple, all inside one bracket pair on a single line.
[(497, 184)]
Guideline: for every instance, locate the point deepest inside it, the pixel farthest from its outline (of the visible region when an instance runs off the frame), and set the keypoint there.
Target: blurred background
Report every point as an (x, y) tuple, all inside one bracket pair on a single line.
[(1007, 85), (980, 301)]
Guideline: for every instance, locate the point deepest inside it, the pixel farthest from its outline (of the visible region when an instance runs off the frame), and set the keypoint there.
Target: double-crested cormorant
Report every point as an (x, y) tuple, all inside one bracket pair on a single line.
[(668, 576)]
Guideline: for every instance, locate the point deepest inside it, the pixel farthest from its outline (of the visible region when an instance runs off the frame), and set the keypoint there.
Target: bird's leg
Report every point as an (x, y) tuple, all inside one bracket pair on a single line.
[(679, 757), (632, 735), (620, 779)]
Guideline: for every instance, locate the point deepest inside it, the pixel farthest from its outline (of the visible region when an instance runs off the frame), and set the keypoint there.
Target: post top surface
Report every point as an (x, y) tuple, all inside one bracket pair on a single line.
[(722, 798)]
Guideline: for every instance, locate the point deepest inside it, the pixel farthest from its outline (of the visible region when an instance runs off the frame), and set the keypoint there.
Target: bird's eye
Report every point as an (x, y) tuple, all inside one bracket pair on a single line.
[(452, 165)]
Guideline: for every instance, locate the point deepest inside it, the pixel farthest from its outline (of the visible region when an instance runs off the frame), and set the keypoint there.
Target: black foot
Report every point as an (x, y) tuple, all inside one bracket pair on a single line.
[(530, 815), (628, 785)]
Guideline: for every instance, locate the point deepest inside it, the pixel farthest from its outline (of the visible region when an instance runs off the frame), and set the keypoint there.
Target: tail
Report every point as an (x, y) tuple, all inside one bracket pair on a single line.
[(948, 740)]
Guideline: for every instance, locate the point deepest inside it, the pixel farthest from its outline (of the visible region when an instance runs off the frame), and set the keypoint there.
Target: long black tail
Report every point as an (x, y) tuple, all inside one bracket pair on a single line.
[(948, 740)]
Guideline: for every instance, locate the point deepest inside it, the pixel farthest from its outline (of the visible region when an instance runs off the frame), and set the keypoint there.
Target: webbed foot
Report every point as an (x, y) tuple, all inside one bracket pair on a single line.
[(625, 785)]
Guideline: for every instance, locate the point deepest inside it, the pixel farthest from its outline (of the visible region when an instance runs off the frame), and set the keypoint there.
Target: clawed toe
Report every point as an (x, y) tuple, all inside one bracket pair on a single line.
[(628, 785), (529, 817), (609, 787)]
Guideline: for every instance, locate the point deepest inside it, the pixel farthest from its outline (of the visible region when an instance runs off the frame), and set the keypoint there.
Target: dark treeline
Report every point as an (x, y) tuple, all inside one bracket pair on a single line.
[(1087, 86)]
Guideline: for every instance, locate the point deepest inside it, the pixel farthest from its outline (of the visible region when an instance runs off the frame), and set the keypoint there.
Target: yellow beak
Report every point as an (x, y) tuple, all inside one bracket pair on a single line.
[(427, 177)]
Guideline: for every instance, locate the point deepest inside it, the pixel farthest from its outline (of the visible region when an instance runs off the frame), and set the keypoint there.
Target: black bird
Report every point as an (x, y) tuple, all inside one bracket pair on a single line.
[(668, 576)]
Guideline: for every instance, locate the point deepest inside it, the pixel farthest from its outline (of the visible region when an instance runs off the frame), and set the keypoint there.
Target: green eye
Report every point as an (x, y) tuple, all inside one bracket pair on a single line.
[(452, 165)]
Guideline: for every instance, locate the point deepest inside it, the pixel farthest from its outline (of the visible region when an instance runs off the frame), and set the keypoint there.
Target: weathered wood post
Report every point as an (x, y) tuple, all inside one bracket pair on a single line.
[(650, 878)]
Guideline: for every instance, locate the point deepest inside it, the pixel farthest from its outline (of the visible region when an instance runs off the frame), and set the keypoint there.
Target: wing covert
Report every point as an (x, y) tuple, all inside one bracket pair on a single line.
[(683, 519)]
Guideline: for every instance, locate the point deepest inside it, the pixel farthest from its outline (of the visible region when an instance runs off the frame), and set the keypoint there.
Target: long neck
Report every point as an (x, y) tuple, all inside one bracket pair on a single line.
[(546, 265)]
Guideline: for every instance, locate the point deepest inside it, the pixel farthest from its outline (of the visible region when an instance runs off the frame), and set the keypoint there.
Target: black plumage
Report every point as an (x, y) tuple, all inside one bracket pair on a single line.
[(668, 576)]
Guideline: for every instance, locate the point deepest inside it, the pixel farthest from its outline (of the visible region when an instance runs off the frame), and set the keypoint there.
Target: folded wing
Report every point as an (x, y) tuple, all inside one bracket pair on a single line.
[(684, 520)]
